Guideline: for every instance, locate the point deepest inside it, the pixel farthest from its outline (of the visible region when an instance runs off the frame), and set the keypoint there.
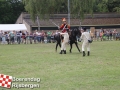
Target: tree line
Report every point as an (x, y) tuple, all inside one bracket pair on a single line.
[(11, 9)]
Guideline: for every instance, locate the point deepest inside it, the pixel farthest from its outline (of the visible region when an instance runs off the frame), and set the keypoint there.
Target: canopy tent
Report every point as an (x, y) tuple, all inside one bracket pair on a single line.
[(11, 27)]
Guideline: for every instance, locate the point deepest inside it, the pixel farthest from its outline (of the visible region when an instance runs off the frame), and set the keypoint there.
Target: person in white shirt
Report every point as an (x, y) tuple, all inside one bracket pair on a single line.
[(39, 36), (85, 37)]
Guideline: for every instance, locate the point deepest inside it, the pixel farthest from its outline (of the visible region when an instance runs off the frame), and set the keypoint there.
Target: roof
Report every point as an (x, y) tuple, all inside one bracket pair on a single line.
[(9, 27), (100, 21), (97, 19)]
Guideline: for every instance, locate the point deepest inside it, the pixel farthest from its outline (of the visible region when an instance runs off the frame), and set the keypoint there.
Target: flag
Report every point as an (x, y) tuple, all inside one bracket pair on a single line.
[(5, 81)]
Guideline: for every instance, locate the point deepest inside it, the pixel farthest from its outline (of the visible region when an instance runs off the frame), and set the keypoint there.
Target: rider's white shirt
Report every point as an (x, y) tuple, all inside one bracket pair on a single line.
[(85, 36)]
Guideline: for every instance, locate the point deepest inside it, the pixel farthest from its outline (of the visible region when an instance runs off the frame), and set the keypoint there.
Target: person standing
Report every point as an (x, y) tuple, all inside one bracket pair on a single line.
[(49, 36), (0, 36), (108, 34), (35, 37), (39, 36), (3, 38), (12, 35), (42, 36), (114, 34), (111, 35), (23, 37), (97, 35), (18, 37), (85, 37), (7, 38), (31, 37)]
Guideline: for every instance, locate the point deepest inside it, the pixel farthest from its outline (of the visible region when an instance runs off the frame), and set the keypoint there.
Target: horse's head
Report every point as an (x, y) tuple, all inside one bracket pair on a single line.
[(75, 32)]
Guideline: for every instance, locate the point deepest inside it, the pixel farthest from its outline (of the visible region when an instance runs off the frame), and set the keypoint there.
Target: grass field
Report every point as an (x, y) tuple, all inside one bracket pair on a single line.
[(100, 71)]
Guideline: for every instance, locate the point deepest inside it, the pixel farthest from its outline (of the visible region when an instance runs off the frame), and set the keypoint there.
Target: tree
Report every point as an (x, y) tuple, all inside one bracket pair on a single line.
[(4, 12), (113, 5), (106, 6), (100, 6), (10, 10), (44, 8)]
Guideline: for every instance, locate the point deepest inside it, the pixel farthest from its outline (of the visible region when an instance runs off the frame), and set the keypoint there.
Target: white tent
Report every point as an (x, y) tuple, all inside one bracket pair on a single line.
[(11, 27)]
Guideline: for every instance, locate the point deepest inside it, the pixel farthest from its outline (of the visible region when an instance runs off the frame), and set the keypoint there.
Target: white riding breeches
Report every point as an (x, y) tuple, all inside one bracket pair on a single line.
[(86, 45)]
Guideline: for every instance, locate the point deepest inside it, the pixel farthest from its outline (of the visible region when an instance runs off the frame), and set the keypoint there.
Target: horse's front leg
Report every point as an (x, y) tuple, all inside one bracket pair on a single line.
[(70, 47), (77, 46)]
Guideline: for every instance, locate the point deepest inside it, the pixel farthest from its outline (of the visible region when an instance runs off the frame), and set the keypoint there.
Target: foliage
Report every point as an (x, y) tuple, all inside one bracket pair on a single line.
[(47, 7), (78, 8), (100, 6), (10, 10), (113, 5), (81, 7), (107, 6)]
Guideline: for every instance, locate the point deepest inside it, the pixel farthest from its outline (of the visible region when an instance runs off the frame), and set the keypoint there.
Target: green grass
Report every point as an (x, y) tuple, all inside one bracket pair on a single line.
[(100, 71)]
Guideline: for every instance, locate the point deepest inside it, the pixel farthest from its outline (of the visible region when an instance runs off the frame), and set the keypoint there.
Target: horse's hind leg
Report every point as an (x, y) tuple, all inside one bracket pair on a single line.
[(70, 47), (77, 46), (59, 44), (56, 47)]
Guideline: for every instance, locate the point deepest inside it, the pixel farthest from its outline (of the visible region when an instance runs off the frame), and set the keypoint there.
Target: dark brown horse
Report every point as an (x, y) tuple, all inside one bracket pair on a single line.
[(73, 34)]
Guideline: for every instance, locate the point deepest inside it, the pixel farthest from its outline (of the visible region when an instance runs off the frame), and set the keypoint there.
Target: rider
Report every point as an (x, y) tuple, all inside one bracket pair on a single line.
[(64, 35), (64, 27)]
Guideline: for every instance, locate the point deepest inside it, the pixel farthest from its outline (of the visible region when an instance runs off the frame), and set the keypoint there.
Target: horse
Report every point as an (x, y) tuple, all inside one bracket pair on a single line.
[(57, 37), (73, 34)]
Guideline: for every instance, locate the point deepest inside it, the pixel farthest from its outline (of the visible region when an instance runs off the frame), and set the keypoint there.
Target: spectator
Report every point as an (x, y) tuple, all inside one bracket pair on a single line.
[(97, 35), (23, 38), (52, 36), (11, 34), (42, 36), (101, 35), (49, 37), (3, 38), (0, 36), (15, 37), (114, 34), (7, 38), (27, 37), (18, 37), (110, 35), (35, 36), (38, 36), (31, 37)]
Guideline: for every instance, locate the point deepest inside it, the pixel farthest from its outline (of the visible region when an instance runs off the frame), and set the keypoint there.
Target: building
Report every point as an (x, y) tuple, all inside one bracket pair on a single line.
[(98, 21)]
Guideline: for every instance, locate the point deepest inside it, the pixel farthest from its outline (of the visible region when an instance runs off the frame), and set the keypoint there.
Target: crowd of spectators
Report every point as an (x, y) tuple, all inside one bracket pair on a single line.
[(24, 37), (106, 34)]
